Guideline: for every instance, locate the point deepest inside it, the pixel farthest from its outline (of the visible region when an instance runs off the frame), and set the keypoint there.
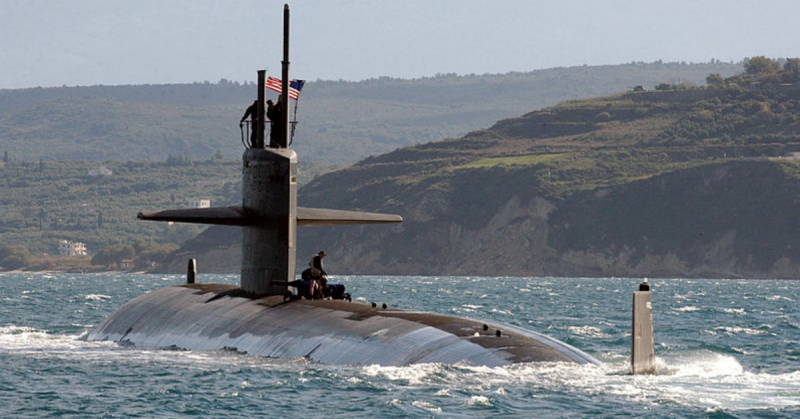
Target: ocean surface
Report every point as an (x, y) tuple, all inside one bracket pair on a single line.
[(724, 348)]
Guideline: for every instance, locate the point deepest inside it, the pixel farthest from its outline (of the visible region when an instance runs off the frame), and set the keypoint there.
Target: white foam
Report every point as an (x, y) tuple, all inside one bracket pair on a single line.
[(414, 374), (479, 401), (503, 312), (29, 340), (734, 311), (701, 379), (735, 330), (778, 297), (688, 309), (712, 366), (421, 404), (588, 331)]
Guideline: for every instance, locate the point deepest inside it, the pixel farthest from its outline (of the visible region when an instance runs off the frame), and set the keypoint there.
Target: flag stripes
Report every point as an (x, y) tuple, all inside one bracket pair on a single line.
[(276, 85)]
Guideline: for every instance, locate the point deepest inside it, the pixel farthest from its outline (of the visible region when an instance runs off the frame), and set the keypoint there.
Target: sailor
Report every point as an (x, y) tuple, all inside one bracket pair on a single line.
[(319, 277), (276, 122), (252, 112)]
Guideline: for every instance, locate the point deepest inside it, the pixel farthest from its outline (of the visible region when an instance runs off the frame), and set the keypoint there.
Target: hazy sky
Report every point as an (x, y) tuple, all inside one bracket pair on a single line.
[(88, 42)]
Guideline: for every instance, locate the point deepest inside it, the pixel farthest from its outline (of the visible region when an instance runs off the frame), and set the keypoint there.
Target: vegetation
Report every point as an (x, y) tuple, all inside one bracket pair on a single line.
[(47, 202), (761, 72), (14, 257), (340, 122)]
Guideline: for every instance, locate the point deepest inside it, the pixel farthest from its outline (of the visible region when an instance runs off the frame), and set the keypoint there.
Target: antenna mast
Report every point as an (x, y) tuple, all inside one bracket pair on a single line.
[(284, 140)]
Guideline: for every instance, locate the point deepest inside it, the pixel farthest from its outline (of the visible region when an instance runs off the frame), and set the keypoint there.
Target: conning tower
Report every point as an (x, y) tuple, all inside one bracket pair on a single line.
[(269, 214)]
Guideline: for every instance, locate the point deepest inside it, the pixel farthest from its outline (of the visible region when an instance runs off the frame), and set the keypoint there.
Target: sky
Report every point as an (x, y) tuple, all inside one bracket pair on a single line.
[(116, 42)]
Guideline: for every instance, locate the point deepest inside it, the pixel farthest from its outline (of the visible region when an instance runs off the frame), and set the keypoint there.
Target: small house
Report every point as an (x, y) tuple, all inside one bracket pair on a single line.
[(199, 203)]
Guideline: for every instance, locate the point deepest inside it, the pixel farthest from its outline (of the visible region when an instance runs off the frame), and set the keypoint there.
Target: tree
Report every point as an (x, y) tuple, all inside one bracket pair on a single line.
[(125, 252), (792, 69), (113, 254), (103, 257), (14, 257), (761, 65), (154, 253), (715, 80)]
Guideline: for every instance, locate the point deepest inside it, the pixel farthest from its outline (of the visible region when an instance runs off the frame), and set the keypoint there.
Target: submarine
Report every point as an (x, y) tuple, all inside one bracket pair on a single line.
[(257, 318)]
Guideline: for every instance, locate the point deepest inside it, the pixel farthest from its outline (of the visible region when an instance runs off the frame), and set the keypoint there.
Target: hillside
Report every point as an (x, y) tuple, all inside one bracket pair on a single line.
[(96, 203), (340, 122), (670, 183)]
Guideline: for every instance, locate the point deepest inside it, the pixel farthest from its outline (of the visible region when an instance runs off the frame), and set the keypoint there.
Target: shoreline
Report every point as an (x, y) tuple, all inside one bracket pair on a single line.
[(61, 271)]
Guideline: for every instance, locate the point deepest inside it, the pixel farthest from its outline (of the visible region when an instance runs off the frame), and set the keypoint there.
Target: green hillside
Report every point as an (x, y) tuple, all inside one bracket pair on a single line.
[(691, 182), (340, 122), (96, 203)]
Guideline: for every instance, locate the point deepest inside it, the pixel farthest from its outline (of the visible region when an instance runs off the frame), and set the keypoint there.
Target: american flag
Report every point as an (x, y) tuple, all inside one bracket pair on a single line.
[(276, 85)]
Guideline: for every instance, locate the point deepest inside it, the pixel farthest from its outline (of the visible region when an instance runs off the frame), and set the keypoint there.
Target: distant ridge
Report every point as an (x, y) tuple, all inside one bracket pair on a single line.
[(340, 122)]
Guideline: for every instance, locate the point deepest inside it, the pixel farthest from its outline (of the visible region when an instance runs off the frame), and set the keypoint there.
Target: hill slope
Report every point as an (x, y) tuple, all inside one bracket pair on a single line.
[(638, 184), (46, 202), (340, 122)]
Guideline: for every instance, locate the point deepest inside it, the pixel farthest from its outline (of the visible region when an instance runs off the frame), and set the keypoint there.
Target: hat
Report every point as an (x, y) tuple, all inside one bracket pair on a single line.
[(321, 253)]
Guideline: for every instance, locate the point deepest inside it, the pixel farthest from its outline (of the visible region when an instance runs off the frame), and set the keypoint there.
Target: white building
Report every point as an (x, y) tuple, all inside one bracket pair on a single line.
[(68, 248), (199, 203)]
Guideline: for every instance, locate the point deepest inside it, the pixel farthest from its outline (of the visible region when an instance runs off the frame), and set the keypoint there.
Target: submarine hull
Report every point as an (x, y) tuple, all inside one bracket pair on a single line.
[(218, 316)]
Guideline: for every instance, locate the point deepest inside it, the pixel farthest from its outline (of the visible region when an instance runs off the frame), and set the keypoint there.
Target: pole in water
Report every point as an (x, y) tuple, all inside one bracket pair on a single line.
[(191, 272), (643, 357)]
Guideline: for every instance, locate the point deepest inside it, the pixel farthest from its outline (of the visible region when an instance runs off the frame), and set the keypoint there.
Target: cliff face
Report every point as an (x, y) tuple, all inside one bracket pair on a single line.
[(218, 250), (720, 220), (631, 193)]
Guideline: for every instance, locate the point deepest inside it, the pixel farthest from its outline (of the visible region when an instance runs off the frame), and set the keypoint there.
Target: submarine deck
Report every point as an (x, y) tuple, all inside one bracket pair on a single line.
[(219, 316)]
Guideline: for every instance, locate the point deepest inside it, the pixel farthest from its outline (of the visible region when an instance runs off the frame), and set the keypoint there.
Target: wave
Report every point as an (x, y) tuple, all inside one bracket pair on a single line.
[(734, 311), (588, 331), (23, 339), (688, 309), (708, 380), (735, 330)]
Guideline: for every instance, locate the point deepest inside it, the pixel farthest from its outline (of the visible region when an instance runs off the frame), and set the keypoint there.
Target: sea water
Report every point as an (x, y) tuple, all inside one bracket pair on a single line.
[(724, 349)]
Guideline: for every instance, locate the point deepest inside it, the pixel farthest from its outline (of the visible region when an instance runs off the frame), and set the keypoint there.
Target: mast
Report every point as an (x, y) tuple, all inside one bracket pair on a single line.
[(284, 140), (259, 122)]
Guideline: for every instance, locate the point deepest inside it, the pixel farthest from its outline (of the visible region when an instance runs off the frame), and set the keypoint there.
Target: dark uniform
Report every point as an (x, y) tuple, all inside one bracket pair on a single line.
[(252, 112), (276, 121), (319, 278)]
